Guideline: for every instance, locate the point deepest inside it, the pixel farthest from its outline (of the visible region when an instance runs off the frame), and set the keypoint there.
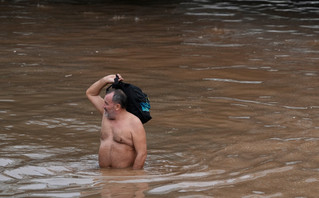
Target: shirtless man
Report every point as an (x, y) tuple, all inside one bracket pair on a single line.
[(123, 138)]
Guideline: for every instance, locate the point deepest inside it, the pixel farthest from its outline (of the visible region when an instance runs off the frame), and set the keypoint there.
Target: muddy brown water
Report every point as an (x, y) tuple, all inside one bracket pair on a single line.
[(233, 87)]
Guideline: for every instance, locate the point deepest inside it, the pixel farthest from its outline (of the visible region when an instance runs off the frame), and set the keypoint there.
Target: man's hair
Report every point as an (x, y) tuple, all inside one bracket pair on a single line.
[(119, 97)]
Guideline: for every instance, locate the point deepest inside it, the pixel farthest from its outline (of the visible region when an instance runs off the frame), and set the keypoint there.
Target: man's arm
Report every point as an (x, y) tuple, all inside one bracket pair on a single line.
[(139, 141), (93, 92)]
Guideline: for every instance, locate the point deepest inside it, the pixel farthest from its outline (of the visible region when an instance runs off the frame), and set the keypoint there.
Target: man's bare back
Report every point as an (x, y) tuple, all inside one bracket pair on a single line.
[(123, 138)]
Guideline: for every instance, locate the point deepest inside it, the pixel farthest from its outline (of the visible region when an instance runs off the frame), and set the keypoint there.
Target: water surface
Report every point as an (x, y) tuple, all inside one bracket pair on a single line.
[(233, 88)]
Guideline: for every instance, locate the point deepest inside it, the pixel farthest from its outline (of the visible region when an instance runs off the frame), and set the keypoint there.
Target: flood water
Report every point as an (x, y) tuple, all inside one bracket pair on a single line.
[(233, 87)]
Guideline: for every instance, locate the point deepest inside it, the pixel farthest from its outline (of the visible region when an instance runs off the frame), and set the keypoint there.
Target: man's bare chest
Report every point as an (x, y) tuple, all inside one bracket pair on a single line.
[(122, 137), (117, 134)]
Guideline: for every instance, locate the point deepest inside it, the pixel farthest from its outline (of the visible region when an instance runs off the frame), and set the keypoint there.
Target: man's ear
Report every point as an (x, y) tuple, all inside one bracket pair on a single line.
[(117, 107)]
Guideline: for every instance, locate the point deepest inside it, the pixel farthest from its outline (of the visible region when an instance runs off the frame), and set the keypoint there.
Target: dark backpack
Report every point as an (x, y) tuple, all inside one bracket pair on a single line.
[(137, 101)]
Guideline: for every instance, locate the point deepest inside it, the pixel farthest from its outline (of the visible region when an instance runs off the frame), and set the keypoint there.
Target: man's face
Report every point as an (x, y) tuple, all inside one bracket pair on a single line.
[(109, 106)]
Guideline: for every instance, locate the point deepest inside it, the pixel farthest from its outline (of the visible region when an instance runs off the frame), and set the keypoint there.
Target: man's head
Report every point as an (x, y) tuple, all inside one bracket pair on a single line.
[(114, 101)]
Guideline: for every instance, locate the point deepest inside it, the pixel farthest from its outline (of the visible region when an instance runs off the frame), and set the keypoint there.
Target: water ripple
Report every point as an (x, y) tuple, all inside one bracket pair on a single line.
[(214, 44), (233, 81), (65, 123), (241, 100), (191, 186), (210, 14), (19, 173)]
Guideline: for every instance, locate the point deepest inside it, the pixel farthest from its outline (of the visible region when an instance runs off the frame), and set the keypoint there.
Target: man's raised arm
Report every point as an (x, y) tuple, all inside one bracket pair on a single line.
[(93, 92)]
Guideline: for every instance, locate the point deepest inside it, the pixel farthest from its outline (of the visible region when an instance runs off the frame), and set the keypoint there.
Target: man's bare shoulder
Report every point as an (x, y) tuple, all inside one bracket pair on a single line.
[(134, 119), (134, 122)]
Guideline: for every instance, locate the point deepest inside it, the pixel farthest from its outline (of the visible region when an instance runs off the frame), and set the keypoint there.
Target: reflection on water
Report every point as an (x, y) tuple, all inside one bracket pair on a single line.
[(233, 87)]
